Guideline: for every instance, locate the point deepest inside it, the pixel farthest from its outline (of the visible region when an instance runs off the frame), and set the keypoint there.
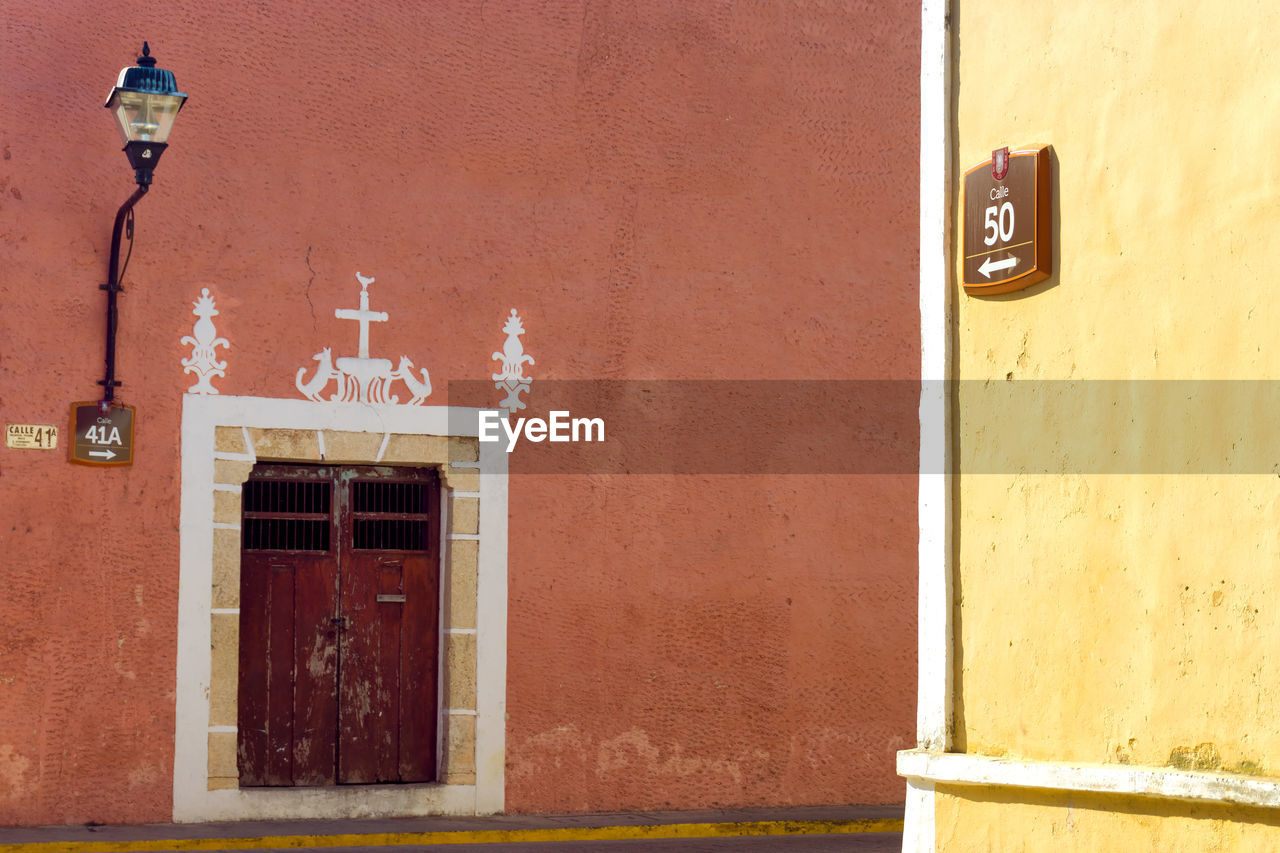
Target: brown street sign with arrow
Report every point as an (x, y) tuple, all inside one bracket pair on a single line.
[(101, 437), (1007, 215)]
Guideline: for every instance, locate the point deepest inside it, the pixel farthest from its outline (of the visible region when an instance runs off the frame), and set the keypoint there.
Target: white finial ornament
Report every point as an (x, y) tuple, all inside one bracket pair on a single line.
[(513, 358), (204, 343)]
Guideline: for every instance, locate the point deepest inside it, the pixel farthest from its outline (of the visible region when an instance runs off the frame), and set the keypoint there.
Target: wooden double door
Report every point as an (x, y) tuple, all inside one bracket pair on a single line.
[(339, 625)]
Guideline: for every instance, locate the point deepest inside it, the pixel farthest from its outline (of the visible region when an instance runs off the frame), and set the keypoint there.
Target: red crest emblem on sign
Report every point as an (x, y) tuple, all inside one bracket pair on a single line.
[(1000, 163)]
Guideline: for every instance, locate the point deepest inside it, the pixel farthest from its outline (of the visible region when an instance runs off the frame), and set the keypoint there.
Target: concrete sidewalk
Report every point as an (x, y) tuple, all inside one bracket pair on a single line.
[(395, 832)]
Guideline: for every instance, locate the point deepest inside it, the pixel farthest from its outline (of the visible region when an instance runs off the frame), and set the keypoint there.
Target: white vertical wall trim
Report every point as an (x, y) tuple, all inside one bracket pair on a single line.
[(446, 580), (933, 721), (491, 633), (933, 709), (919, 834), (195, 599)]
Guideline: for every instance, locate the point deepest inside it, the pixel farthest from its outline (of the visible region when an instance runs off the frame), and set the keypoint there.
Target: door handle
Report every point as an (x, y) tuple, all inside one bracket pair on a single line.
[(390, 599)]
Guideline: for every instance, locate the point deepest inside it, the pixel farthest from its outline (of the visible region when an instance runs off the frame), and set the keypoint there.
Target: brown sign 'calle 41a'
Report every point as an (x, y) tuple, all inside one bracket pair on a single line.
[(101, 435), (1007, 210)]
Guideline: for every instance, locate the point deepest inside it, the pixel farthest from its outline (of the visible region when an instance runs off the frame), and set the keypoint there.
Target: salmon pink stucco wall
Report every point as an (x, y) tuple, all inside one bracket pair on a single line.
[(672, 191)]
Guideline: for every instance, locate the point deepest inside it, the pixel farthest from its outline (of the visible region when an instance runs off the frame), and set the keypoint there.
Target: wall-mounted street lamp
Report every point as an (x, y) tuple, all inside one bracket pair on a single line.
[(145, 103)]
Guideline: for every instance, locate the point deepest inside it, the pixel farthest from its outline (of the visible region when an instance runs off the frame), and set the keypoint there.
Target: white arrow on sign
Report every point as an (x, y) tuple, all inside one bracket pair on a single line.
[(989, 266), (105, 454)]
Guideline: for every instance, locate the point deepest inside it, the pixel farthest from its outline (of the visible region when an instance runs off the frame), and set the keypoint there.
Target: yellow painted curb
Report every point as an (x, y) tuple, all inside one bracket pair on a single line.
[(483, 836)]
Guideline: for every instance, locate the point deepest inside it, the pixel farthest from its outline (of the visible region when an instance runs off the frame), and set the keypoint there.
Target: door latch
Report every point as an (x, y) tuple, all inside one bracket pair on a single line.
[(338, 622)]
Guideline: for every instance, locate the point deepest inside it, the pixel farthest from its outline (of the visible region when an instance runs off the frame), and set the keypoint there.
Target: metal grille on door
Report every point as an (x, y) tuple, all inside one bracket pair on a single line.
[(339, 604)]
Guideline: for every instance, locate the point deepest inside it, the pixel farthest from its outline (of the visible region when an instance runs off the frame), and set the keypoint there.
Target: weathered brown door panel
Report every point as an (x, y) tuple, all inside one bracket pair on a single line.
[(419, 664), (288, 659), (369, 697), (288, 640), (339, 626), (266, 660), (390, 596), (315, 671), (389, 605), (280, 675)]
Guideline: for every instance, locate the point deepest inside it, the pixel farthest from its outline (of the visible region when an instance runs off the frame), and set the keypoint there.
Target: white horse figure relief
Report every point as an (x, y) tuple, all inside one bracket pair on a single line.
[(324, 372), (421, 390)]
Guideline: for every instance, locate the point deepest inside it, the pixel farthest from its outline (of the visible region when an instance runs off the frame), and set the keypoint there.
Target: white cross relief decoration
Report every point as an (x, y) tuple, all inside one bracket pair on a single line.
[(362, 379), (511, 378), (204, 343)]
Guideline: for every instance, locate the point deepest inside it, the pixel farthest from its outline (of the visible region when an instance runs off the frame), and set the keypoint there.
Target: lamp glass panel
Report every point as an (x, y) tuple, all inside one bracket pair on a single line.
[(144, 116)]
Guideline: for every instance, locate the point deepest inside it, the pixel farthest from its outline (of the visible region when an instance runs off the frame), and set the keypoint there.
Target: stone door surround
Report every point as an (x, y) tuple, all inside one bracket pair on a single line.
[(222, 438)]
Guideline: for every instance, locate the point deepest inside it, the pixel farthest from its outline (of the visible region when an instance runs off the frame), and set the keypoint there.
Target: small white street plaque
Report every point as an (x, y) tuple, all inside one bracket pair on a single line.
[(31, 436)]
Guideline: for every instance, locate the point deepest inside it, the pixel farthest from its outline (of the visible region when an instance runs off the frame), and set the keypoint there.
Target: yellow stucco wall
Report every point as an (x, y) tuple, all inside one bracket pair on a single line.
[(1108, 610), (977, 820)]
